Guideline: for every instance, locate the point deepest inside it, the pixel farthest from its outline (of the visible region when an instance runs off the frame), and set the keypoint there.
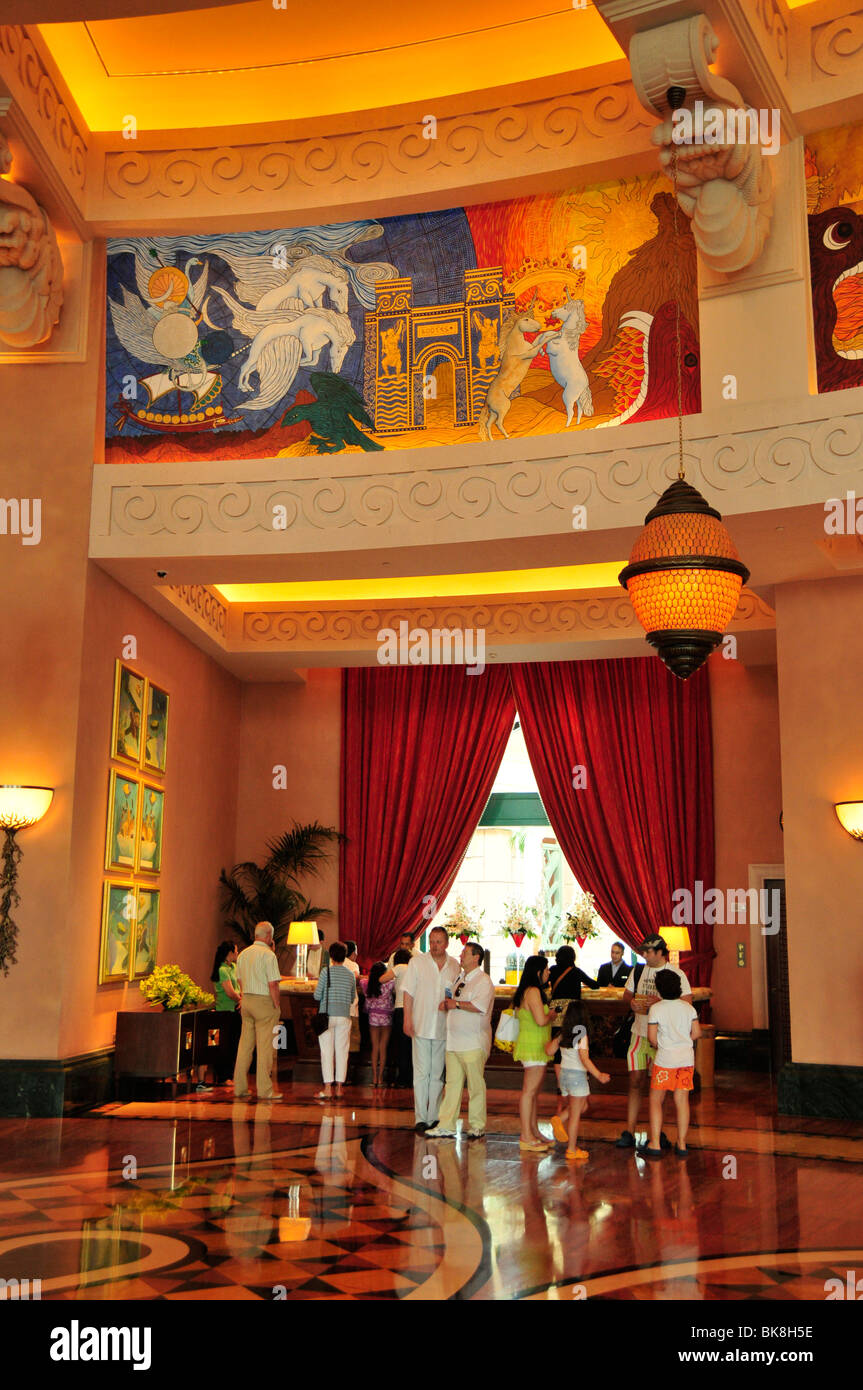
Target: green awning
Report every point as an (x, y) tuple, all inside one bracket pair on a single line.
[(514, 809)]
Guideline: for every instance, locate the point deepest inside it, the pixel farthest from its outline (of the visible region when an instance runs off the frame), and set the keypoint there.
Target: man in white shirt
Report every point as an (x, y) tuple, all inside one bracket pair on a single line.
[(640, 995), (426, 981), (468, 1043), (258, 977), (406, 943)]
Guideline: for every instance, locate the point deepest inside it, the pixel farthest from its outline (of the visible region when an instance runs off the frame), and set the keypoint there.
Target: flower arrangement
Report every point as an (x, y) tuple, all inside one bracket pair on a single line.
[(582, 923), (520, 922), (460, 923), (168, 986)]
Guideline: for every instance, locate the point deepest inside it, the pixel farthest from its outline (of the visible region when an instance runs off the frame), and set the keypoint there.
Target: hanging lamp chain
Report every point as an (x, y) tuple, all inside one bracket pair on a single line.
[(681, 466)]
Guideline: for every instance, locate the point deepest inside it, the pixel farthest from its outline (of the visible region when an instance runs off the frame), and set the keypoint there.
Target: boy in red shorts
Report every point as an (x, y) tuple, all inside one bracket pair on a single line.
[(672, 1028)]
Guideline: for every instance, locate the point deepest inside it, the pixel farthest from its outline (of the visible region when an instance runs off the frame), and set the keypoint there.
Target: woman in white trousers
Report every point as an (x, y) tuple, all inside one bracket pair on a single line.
[(335, 992)]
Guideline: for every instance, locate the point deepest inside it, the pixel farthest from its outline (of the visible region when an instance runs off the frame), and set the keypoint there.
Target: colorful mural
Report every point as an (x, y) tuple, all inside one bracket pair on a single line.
[(527, 317), (834, 197)]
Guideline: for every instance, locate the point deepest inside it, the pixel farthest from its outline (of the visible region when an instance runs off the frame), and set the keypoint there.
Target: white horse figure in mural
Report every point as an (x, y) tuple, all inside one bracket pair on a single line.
[(282, 341), (564, 360), (312, 278)]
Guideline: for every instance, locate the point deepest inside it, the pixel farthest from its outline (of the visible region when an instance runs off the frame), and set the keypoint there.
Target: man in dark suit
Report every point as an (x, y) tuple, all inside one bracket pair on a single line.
[(615, 971)]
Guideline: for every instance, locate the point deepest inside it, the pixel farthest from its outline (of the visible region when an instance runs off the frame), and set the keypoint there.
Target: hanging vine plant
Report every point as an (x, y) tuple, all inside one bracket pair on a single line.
[(9, 900)]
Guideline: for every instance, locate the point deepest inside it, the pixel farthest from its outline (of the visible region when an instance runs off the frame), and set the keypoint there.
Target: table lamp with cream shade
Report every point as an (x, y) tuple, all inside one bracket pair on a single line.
[(677, 940), (302, 935), (19, 808)]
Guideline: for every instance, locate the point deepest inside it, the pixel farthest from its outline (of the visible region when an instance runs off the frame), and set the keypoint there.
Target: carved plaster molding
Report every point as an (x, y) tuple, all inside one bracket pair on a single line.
[(775, 29), (37, 94), (837, 47), (725, 186), (31, 270), (513, 487), (576, 126), (509, 620), (200, 601)]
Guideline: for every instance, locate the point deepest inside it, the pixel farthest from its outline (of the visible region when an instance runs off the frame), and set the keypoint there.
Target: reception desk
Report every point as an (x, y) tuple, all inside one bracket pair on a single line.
[(605, 1009)]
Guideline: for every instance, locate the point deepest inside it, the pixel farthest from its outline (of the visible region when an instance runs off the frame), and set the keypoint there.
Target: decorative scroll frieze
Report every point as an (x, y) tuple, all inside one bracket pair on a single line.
[(517, 489), (367, 157), (774, 28), (197, 598), (508, 620), (837, 47), (42, 104)]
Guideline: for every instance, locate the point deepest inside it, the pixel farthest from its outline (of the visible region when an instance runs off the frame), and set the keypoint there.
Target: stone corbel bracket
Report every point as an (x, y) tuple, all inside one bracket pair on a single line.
[(31, 269), (724, 186)]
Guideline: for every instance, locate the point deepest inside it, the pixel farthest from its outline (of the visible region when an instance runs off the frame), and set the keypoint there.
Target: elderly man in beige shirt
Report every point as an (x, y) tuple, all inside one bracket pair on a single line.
[(258, 977)]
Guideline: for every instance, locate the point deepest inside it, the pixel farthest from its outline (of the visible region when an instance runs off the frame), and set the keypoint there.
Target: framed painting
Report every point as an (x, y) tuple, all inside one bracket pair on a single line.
[(155, 740), (124, 795), (126, 735), (146, 933), (150, 821), (119, 909)]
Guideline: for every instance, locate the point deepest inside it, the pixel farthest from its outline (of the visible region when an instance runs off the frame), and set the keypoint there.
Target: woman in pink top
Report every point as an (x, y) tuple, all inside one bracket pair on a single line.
[(380, 1002)]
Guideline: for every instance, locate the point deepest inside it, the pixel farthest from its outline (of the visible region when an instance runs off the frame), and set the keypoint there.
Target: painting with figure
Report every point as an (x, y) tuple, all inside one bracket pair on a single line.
[(155, 740), (119, 908), (146, 933), (534, 316), (128, 715), (123, 801), (834, 197)]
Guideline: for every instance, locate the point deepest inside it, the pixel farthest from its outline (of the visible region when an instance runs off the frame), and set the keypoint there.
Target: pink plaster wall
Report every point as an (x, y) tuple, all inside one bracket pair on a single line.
[(747, 798), (298, 726), (200, 805), (820, 650)]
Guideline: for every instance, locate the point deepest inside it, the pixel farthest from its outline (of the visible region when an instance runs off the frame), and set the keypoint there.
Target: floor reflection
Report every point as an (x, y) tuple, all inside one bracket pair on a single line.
[(226, 1200)]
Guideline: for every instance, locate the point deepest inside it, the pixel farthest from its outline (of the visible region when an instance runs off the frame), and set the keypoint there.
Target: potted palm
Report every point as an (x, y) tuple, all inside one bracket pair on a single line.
[(273, 891)]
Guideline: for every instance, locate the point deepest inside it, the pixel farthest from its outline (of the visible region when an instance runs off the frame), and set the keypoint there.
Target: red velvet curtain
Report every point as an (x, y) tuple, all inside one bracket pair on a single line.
[(642, 825), (421, 746)]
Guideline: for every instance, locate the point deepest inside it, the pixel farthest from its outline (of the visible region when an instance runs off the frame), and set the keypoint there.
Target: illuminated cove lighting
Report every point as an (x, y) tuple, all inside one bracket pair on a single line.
[(564, 578)]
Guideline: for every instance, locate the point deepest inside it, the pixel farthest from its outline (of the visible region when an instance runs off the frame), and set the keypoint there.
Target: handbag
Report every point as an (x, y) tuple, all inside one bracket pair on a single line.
[(507, 1031), (321, 1020)]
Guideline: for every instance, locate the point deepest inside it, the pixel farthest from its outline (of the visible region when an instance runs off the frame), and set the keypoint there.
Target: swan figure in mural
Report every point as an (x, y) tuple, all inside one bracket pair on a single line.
[(565, 363), (284, 339), (164, 332)]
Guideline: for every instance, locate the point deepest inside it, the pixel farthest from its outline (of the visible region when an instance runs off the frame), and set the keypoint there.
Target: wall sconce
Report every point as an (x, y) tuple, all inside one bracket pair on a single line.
[(850, 815), (19, 807), (302, 935), (677, 940)]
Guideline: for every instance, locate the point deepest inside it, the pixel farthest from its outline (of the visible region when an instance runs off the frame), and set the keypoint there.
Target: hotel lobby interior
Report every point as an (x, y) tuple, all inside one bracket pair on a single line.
[(580, 692)]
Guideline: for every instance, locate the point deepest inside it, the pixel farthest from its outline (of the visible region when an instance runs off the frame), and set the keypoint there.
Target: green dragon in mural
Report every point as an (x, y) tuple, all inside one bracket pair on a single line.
[(334, 416)]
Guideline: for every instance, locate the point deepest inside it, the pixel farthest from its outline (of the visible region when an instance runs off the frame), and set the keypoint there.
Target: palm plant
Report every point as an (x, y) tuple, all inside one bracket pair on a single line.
[(272, 891)]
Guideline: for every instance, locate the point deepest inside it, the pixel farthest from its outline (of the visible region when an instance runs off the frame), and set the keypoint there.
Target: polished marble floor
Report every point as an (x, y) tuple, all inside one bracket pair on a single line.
[(208, 1198)]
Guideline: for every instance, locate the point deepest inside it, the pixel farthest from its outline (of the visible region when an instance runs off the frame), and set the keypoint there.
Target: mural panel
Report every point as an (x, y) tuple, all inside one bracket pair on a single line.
[(834, 198), (527, 317)]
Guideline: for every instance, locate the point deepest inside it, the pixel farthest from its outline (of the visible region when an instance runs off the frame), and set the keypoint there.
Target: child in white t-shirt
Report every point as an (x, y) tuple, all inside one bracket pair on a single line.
[(672, 1028), (575, 1064)]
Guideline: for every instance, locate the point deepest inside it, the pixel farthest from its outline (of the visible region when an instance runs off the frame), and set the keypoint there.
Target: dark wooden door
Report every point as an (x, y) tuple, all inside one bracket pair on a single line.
[(778, 1001)]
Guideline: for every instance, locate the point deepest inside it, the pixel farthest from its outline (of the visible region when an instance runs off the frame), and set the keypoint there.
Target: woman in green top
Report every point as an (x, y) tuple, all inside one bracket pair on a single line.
[(529, 1007), (223, 977)]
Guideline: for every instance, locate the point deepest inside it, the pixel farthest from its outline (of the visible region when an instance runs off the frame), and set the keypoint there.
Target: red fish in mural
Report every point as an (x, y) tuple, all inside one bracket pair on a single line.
[(835, 259)]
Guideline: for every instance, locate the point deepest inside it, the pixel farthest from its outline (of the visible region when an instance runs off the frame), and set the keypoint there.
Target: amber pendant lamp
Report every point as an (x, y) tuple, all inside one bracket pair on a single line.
[(684, 575)]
